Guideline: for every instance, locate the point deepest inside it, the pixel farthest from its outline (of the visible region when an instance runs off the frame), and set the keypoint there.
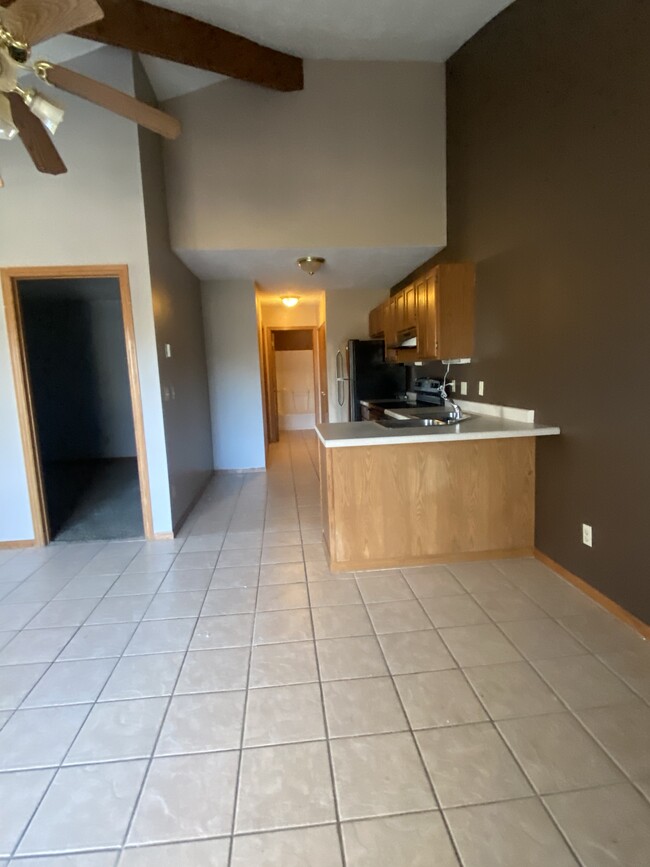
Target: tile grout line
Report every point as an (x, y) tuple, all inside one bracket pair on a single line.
[(330, 760), (240, 758), (150, 760), (411, 731)]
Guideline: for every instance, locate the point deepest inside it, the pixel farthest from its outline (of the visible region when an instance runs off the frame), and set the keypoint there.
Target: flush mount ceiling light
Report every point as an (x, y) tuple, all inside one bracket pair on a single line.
[(290, 300), (310, 264)]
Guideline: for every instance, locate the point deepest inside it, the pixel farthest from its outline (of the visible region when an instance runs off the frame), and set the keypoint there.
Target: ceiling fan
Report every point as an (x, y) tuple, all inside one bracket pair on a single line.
[(28, 112)]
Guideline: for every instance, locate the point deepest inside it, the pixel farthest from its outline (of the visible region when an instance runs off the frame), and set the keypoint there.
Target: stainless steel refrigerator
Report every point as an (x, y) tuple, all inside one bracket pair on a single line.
[(362, 373)]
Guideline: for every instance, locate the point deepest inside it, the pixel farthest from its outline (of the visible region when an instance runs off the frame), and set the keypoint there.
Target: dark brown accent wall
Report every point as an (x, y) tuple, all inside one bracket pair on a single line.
[(549, 193)]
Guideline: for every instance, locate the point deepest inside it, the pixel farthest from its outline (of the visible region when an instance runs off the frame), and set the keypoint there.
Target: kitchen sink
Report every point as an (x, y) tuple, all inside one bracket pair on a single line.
[(443, 419)]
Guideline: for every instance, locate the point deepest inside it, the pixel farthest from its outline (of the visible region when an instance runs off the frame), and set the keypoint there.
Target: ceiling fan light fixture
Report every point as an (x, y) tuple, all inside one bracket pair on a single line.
[(290, 300), (8, 129), (49, 113), (310, 264)]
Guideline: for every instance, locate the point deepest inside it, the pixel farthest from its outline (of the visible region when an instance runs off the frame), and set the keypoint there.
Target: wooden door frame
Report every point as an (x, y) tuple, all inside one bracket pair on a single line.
[(10, 278), (322, 366), (269, 372)]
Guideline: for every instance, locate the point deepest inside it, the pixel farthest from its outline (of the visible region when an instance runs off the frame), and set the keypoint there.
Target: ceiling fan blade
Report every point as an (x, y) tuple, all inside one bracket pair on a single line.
[(114, 100), (35, 138), (32, 21)]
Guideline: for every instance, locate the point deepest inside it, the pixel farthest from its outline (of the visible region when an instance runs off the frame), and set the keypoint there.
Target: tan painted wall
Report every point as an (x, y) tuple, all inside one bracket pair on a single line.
[(357, 159), (92, 215), (346, 319)]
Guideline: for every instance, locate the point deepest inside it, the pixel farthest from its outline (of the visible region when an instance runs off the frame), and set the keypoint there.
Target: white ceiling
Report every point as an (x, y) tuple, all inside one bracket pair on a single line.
[(316, 29), (344, 268), (350, 29)]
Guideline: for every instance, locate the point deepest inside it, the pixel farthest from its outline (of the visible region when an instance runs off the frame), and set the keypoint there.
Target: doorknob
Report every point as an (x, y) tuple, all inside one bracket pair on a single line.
[(323, 394)]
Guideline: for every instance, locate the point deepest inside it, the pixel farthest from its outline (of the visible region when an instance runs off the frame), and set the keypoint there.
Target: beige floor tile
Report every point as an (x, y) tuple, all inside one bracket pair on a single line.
[(235, 577), (633, 667), (542, 639), (186, 797), (232, 600), (238, 557), (118, 730), (362, 707), (277, 627), (341, 621), (284, 714), (624, 731), (161, 636), (410, 652), (416, 840), (383, 586), (606, 826), (496, 835), (71, 682), (282, 554), (16, 681), (480, 577), (202, 722), (398, 617), (92, 642), (470, 764), (20, 794), (284, 785), (214, 670), (120, 609), (341, 658), (432, 582), (40, 737), (438, 698), (289, 537), (601, 632), (276, 597), (185, 581), (557, 754), (507, 605), (330, 593), (379, 774), (35, 645), (282, 573), (172, 605), (137, 584), (454, 611), (583, 682), (86, 807), (478, 645), (281, 664), (143, 676), (316, 847), (512, 689), (229, 630), (198, 853)]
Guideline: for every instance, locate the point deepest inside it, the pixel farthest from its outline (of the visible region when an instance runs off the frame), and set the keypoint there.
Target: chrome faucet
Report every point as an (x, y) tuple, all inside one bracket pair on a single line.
[(456, 411)]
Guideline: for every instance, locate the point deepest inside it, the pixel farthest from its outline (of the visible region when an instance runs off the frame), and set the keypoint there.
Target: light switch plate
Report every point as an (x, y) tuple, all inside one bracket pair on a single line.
[(481, 388), (463, 388), (168, 350), (587, 535)]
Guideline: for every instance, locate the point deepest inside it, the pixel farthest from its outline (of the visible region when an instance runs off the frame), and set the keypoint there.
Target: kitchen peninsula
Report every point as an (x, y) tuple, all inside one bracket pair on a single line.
[(403, 497)]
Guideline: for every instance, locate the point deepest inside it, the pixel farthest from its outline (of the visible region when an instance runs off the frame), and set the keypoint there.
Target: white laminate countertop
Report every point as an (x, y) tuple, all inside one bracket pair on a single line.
[(478, 427)]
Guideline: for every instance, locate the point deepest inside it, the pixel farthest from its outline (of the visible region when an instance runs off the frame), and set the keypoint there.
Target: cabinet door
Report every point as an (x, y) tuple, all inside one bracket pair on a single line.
[(433, 342), (422, 318), (409, 307), (376, 322), (400, 311)]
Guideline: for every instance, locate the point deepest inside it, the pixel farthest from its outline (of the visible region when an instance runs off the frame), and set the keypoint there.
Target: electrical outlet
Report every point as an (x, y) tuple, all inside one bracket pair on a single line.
[(481, 388), (463, 388), (452, 385), (587, 537)]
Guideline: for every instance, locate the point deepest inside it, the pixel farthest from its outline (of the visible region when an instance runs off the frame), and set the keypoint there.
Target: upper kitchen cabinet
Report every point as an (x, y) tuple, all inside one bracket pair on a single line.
[(445, 312), (437, 310), (376, 321)]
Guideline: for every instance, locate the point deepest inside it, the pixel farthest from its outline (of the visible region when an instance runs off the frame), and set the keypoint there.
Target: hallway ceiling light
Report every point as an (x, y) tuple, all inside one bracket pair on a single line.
[(290, 300), (310, 264)]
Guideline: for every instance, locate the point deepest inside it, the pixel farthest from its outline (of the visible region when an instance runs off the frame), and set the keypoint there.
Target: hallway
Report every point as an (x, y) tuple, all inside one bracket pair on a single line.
[(222, 700)]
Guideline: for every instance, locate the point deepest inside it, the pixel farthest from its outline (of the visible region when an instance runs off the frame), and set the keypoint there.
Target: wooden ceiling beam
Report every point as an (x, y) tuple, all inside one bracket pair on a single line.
[(147, 29)]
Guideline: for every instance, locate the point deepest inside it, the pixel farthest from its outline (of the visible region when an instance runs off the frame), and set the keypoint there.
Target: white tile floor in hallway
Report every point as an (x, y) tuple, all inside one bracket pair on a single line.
[(223, 700)]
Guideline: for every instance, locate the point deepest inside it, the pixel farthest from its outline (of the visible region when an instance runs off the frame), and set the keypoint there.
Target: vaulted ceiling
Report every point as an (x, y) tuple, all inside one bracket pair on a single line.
[(317, 29)]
